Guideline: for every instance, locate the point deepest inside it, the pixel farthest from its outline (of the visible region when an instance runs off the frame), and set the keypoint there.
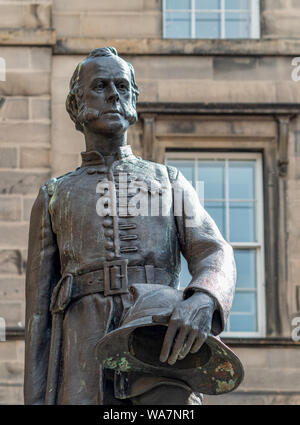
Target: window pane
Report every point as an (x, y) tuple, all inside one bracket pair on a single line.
[(186, 167), (217, 211), (242, 222), (236, 4), (237, 25), (243, 323), (242, 219), (212, 173), (246, 268), (178, 4), (178, 25), (208, 25), (244, 302), (208, 4), (241, 179)]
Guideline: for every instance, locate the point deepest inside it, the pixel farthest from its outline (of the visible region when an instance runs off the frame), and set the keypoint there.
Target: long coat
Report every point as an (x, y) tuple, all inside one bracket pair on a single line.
[(69, 235)]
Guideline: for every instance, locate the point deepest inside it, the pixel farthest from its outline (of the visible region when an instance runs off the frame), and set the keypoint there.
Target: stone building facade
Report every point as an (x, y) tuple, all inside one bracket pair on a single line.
[(197, 96)]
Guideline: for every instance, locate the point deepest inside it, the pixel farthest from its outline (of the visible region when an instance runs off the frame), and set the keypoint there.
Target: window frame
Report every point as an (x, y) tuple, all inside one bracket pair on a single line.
[(254, 12), (259, 245)]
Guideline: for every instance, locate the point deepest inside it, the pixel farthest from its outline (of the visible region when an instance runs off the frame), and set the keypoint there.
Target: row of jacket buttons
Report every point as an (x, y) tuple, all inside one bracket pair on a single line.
[(108, 221), (109, 234)]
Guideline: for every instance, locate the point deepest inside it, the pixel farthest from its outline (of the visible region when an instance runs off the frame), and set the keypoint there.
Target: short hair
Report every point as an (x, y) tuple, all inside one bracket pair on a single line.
[(75, 91)]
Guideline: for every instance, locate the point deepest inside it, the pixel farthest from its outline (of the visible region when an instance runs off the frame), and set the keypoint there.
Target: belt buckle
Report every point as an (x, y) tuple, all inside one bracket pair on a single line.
[(110, 282)]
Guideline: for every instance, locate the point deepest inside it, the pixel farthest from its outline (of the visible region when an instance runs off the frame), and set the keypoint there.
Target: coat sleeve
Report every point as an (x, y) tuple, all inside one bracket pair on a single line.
[(43, 272), (210, 258)]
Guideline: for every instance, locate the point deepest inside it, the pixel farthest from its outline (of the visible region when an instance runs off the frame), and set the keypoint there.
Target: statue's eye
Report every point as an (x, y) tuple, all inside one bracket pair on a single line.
[(99, 86), (122, 87)]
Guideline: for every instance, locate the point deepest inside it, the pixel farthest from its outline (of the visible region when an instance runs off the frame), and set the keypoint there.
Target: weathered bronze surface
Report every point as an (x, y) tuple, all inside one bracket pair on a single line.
[(89, 243), (135, 347)]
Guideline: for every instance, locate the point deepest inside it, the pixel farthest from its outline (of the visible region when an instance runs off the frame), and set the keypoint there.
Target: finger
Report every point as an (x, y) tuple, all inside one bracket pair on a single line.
[(168, 341), (198, 343), (178, 345), (188, 344)]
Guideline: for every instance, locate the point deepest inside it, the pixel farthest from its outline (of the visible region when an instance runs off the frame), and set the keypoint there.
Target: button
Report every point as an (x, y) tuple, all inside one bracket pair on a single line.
[(105, 201), (91, 171), (110, 256), (109, 232), (107, 222), (109, 245)]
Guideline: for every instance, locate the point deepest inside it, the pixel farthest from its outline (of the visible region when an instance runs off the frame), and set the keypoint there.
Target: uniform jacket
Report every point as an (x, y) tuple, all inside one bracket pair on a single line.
[(67, 235)]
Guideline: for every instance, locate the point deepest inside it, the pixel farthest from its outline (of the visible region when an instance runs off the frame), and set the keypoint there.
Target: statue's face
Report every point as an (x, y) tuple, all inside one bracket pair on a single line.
[(107, 89)]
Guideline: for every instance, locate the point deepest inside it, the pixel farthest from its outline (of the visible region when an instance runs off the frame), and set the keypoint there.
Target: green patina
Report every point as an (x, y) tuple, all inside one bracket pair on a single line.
[(225, 367), (225, 386), (79, 69), (123, 364), (120, 365), (110, 363)]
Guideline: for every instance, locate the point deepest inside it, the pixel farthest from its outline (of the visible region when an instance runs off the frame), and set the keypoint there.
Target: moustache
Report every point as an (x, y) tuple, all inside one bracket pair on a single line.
[(86, 114)]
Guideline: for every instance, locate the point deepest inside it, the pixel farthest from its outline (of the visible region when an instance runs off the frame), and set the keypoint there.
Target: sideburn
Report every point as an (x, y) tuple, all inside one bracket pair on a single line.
[(87, 114), (131, 114)]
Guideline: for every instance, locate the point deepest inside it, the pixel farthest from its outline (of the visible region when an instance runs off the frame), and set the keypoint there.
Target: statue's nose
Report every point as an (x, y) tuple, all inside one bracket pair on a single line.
[(112, 93)]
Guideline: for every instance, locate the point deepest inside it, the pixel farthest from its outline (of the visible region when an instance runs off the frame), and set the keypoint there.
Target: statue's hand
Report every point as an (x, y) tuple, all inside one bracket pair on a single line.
[(188, 327)]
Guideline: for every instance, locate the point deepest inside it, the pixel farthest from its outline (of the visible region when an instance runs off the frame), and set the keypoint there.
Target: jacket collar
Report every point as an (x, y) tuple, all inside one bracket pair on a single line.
[(95, 157)]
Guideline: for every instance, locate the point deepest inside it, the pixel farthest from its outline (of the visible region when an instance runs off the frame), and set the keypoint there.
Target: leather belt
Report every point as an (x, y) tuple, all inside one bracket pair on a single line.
[(112, 279)]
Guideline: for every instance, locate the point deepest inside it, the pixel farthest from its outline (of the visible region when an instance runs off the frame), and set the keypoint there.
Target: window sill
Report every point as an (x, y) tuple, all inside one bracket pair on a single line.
[(260, 342), (16, 333), (200, 47)]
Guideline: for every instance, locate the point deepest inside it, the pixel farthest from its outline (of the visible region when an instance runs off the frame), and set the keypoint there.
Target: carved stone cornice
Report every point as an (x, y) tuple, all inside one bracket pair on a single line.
[(189, 108), (183, 47), (283, 113)]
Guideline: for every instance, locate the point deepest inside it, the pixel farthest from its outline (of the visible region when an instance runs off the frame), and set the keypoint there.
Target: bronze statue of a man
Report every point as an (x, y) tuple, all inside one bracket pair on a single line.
[(81, 262)]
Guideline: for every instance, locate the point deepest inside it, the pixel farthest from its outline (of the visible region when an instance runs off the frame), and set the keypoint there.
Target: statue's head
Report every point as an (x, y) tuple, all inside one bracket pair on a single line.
[(103, 93)]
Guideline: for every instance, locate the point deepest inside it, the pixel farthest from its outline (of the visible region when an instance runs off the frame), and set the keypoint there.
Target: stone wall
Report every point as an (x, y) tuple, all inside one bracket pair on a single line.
[(142, 19), (117, 18), (42, 42), (25, 140), (279, 18), (24, 167)]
